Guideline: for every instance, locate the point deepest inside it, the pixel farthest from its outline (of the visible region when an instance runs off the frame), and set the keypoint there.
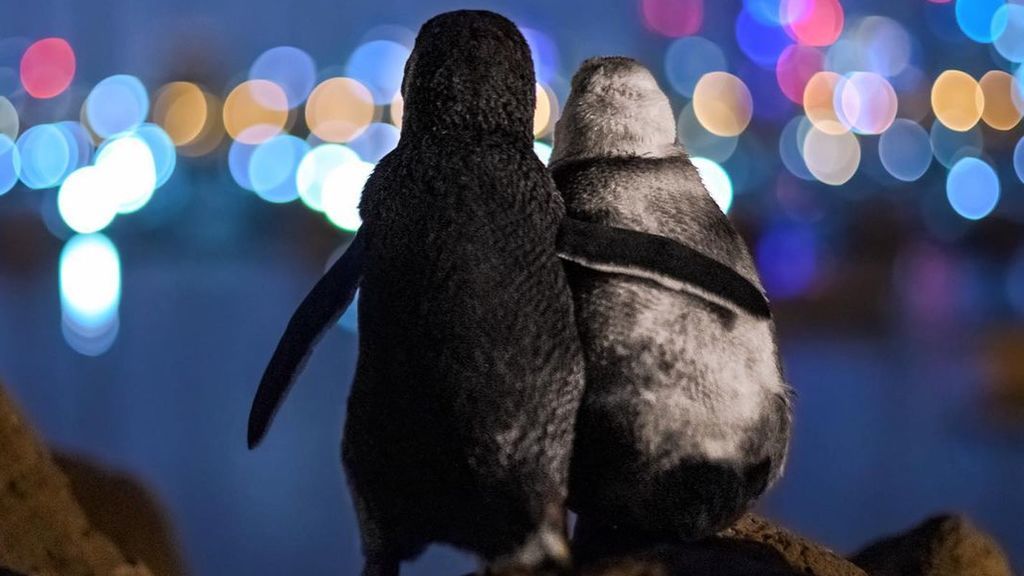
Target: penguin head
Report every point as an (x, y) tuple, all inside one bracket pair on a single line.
[(470, 72), (615, 108)]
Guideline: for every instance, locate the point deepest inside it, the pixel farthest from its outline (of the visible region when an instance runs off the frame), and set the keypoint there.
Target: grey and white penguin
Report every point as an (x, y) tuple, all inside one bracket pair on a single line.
[(686, 416), (461, 416)]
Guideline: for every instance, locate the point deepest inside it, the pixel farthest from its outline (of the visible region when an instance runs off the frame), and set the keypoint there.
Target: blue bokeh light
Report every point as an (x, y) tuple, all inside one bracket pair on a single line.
[(761, 42), (1008, 32), (10, 164), (162, 148), (315, 166), (376, 141), (689, 58), (87, 201), (117, 104), (975, 18), (1018, 159), (544, 52), (129, 168), (766, 11), (791, 143), (45, 156), (972, 188), (273, 166), (90, 292), (80, 146), (716, 181), (379, 65), (239, 159), (290, 68), (905, 150)]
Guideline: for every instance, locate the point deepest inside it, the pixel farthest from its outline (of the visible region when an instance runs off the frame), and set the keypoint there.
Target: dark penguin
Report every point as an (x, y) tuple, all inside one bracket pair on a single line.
[(461, 415), (686, 416)]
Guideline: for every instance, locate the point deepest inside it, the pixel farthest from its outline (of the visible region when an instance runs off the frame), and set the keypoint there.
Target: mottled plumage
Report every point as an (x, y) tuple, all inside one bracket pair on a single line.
[(686, 416)]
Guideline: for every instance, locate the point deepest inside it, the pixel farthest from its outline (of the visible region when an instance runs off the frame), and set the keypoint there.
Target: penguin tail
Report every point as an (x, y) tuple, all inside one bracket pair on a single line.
[(321, 308), (544, 553)]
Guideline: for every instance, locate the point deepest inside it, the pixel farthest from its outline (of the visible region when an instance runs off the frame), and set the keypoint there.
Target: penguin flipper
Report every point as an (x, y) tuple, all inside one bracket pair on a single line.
[(670, 263), (320, 309)]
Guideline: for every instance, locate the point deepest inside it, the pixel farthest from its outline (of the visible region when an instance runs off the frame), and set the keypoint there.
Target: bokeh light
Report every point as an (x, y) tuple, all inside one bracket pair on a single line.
[(831, 158), (85, 202), (395, 111), (975, 18), (949, 145), (544, 52), (761, 42), (47, 67), (375, 142), (379, 66), (796, 66), (819, 102), (117, 104), (688, 59), (45, 156), (866, 102), (181, 108), (1000, 111), (255, 111), (543, 151), (273, 167), (884, 45), (162, 148), (972, 188), (79, 143), (791, 146), (698, 141), (1008, 31), (314, 168), (129, 170), (905, 150), (212, 132), (339, 109), (10, 164), (290, 68), (813, 22), (545, 111), (90, 292), (1018, 159), (9, 122), (673, 18), (239, 159), (716, 181), (342, 189), (722, 104), (957, 100)]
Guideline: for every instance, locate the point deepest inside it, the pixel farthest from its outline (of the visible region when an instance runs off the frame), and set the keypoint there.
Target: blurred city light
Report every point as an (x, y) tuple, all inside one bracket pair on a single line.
[(314, 168), (341, 191), (117, 104), (972, 188), (90, 293), (716, 180), (290, 68), (47, 67)]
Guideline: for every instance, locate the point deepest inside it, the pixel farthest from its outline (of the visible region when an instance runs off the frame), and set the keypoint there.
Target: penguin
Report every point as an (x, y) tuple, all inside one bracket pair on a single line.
[(686, 414), (460, 419)]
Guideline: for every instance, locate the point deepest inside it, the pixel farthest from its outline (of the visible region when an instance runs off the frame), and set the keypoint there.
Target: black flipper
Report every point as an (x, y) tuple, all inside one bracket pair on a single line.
[(663, 260), (321, 308)]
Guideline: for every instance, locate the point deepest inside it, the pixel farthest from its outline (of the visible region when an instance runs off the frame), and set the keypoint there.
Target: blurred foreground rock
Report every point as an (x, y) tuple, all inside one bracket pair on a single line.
[(43, 531), (939, 546)]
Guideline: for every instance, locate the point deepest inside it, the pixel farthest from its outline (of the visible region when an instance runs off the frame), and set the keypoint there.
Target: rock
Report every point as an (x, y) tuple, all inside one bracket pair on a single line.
[(105, 494), (43, 531), (940, 546), (752, 547)]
